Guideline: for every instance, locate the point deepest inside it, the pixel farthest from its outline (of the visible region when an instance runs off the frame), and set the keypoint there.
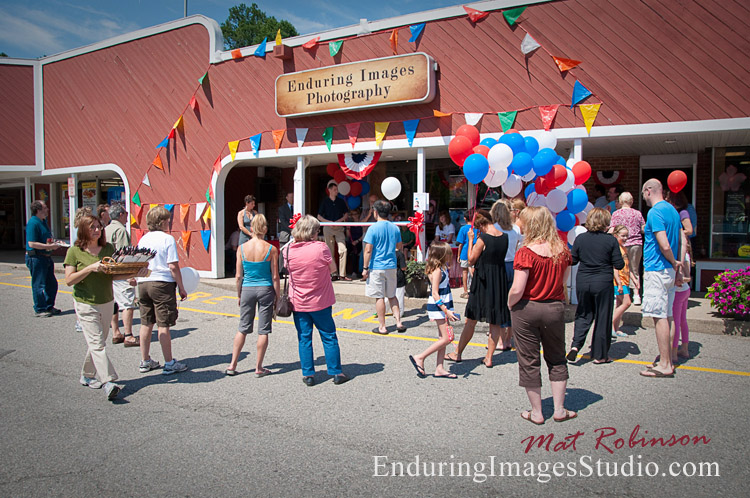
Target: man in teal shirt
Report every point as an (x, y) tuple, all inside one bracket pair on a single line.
[(39, 261)]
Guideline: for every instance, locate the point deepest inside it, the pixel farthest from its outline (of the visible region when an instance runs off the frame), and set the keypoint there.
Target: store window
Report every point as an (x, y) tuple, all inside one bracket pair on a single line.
[(730, 230)]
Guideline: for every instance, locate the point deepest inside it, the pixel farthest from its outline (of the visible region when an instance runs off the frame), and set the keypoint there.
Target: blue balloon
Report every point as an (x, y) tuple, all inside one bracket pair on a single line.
[(577, 200), (476, 168), (565, 220), (560, 160), (522, 164), (354, 202), (529, 190), (514, 141), (365, 187), (488, 142), (532, 146), (543, 161)]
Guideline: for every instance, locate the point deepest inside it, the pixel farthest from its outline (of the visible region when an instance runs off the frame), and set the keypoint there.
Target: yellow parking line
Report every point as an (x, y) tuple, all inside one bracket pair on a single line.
[(29, 287)]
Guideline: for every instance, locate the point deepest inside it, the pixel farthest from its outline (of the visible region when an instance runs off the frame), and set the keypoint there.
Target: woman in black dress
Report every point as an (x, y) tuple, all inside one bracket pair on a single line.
[(488, 296)]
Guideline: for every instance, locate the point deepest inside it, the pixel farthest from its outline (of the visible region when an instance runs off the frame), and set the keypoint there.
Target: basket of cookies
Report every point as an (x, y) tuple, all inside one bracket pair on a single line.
[(127, 260)]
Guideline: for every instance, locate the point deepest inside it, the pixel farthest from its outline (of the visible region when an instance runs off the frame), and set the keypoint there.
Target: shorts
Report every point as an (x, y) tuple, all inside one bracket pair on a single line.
[(625, 290), (124, 294), (158, 303), (658, 293), (464, 263), (381, 284), (263, 297)]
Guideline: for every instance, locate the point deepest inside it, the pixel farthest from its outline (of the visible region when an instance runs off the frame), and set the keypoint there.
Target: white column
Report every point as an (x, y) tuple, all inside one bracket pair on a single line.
[(577, 154), (72, 205), (577, 151), (421, 179), (27, 201), (299, 185)]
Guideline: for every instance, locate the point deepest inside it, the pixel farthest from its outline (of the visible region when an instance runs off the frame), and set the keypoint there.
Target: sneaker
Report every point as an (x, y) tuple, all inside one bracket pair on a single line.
[(112, 390), (173, 367), (54, 311), (42, 314), (148, 365), (78, 327), (92, 383), (637, 300)]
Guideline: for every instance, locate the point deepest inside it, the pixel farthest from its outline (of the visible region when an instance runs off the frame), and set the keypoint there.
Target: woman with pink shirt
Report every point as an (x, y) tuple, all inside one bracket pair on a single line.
[(310, 264), (633, 220)]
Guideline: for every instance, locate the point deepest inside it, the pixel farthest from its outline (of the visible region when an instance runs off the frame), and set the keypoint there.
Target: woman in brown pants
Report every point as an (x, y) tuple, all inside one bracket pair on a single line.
[(537, 310)]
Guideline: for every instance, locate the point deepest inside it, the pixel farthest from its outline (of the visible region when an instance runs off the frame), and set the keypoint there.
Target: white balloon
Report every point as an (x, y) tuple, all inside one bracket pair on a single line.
[(190, 279), (556, 200), (344, 188), (512, 186), (535, 199), (390, 187), (575, 232), (567, 185), (571, 162), (496, 177), (500, 156), (529, 176), (588, 207), (582, 216), (546, 140)]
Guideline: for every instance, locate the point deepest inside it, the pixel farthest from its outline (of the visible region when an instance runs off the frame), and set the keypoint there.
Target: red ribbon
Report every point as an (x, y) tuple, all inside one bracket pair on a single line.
[(294, 220), (415, 226)]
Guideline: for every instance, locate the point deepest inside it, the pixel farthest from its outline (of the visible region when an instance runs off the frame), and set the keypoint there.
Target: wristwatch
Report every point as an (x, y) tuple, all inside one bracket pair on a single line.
[(366, 268)]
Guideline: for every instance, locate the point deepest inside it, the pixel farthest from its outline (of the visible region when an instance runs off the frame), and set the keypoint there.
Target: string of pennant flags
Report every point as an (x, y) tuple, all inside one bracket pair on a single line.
[(507, 118)]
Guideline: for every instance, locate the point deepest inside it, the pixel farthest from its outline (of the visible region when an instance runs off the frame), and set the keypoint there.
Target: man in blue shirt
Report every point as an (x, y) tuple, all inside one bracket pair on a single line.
[(381, 242), (333, 208), (39, 261), (661, 256)]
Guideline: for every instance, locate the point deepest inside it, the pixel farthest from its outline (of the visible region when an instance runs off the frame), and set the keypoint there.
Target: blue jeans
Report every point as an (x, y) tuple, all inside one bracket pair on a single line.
[(43, 282), (323, 319)]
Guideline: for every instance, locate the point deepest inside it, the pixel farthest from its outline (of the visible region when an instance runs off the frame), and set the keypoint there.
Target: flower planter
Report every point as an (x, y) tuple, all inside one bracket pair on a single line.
[(418, 287)]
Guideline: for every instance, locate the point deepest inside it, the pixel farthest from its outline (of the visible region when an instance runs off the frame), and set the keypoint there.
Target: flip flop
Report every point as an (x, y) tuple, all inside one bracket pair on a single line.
[(263, 373), (529, 418), (401, 329), (230, 372), (455, 358), (448, 376), (572, 355), (653, 373), (420, 370), (377, 331), (602, 362), (567, 416), (486, 365)]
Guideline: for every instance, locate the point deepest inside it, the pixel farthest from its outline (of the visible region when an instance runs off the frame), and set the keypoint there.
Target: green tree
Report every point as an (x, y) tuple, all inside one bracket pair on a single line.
[(3, 54), (247, 26)]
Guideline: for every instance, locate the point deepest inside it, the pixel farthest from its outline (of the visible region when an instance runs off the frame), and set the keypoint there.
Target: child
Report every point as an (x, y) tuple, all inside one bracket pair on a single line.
[(439, 309), (400, 279), (463, 251), (679, 309), (622, 283)]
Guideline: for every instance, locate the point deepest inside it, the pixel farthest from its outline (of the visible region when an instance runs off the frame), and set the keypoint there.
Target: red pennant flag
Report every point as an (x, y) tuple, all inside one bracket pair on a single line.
[(210, 190), (138, 234), (394, 41), (136, 212), (157, 162), (171, 134), (565, 64), (217, 165), (186, 239), (278, 136), (311, 44), (353, 130), (474, 14), (184, 211), (548, 113), (236, 53), (194, 104)]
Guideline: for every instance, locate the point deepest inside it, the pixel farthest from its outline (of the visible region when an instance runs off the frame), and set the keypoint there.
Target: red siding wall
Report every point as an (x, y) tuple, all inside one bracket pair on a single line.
[(17, 116)]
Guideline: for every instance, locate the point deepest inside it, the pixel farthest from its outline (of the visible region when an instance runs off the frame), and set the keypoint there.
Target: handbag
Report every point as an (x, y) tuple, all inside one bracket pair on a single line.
[(284, 306)]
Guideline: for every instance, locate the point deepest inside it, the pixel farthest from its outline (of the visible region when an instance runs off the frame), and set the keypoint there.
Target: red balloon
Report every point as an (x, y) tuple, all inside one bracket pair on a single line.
[(677, 181), (469, 132), (560, 174), (459, 149), (339, 176), (481, 149), (541, 185), (356, 189), (581, 172), (563, 236), (332, 168), (512, 130)]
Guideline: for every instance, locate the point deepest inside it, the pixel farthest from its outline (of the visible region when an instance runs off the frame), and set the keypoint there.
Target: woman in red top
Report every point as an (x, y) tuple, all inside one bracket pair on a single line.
[(537, 311)]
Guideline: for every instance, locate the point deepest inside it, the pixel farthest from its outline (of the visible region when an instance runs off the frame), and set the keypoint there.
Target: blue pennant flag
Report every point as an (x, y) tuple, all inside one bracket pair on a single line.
[(416, 30), (261, 50), (163, 143), (580, 92), (168, 207), (255, 142), (410, 128), (206, 236)]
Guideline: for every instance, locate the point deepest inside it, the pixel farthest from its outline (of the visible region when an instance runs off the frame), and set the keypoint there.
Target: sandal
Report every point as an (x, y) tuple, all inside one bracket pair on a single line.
[(263, 372), (135, 343), (455, 358), (118, 340), (528, 417), (567, 416)]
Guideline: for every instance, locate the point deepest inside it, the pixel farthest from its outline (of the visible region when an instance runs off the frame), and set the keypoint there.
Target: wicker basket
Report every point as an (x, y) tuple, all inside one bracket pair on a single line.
[(111, 267)]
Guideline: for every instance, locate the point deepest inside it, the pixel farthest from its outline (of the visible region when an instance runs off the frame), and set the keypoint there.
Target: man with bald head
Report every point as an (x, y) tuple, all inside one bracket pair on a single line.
[(661, 256)]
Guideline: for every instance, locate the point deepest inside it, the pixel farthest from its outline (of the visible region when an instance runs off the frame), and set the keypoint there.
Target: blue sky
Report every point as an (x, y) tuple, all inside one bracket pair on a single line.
[(36, 28)]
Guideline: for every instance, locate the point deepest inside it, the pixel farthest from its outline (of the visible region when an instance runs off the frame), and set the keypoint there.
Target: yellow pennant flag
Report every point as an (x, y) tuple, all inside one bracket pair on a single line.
[(207, 214), (233, 148), (589, 112), (133, 221), (440, 114), (278, 37), (177, 123), (380, 129), (152, 206)]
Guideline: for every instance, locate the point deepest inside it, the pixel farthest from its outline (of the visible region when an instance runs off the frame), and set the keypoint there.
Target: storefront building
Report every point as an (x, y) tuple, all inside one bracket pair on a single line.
[(164, 116)]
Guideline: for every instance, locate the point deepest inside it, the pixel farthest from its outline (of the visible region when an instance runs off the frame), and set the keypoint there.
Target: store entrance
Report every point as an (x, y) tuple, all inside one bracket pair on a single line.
[(11, 219), (662, 174)]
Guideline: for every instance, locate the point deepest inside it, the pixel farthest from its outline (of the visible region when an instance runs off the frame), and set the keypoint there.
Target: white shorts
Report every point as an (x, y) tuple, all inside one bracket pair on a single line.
[(124, 294), (381, 284), (464, 263), (658, 293)]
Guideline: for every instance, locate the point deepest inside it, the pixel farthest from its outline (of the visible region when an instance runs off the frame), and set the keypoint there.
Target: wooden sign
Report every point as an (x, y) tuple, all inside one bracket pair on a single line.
[(398, 80)]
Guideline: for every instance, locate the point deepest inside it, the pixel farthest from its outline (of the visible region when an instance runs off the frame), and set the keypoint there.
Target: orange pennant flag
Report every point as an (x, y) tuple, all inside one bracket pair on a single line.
[(565, 64), (548, 113), (394, 41), (184, 211), (186, 239), (589, 112), (217, 165), (194, 103), (278, 136), (157, 162), (236, 53), (311, 44), (440, 114), (352, 129)]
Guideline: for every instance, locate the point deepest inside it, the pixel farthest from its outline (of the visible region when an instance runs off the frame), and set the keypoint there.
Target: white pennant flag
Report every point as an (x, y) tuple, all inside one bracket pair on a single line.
[(146, 180), (472, 118), (301, 134), (199, 208), (528, 44)]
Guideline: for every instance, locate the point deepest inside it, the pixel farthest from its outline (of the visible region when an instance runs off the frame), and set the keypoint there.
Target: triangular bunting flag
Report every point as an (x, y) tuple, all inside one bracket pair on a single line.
[(152, 206), (301, 134), (589, 112), (311, 43), (206, 234), (334, 47), (580, 92), (133, 220), (171, 134), (565, 64), (186, 239), (472, 118), (138, 235), (169, 207), (164, 142), (135, 215), (512, 15), (278, 37), (352, 129), (261, 50), (177, 123), (328, 136), (236, 53), (208, 193), (394, 41), (199, 208), (207, 215), (410, 128), (474, 14), (145, 180), (416, 30), (137, 199), (184, 212), (194, 104), (217, 165), (203, 78), (380, 129), (278, 136), (255, 143), (440, 114), (548, 113), (157, 162), (507, 119), (529, 44), (233, 146)]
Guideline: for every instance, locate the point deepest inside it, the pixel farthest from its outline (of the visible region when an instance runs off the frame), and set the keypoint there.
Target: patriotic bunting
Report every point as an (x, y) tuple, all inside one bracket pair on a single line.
[(261, 50), (580, 92), (410, 128), (507, 119), (352, 129), (206, 237), (512, 15), (334, 47), (416, 30), (358, 165), (233, 146), (301, 134), (255, 143), (565, 64), (528, 45), (589, 112), (199, 208), (328, 136), (394, 41), (278, 136), (548, 113), (474, 14), (311, 43), (380, 129), (472, 118), (146, 181)]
